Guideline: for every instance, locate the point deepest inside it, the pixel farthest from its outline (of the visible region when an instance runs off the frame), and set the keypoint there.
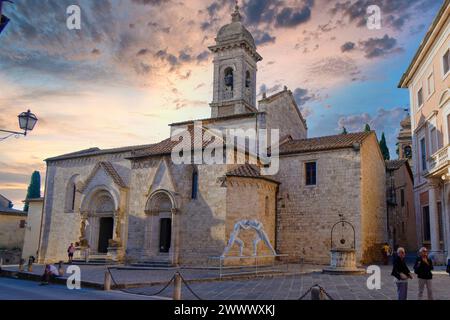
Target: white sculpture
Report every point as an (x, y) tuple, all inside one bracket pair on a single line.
[(260, 235)]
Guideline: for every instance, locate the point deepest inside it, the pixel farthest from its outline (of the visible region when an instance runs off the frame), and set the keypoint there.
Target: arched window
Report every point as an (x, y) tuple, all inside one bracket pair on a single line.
[(194, 184), (229, 79), (248, 79), (71, 194)]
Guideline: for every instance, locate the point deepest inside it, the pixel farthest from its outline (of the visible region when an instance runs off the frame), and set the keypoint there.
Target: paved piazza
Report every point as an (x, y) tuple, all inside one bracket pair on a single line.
[(288, 287), (340, 287)]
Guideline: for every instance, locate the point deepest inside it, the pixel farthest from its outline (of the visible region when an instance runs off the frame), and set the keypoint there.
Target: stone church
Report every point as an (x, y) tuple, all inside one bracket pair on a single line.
[(135, 205)]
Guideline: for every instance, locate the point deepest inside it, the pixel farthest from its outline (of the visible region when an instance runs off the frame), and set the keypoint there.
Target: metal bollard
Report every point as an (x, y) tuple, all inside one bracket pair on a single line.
[(107, 284), (177, 287), (21, 262), (30, 264), (316, 293)]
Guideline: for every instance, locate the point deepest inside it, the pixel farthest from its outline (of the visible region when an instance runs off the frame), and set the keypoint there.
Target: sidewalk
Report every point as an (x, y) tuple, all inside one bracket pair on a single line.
[(127, 277)]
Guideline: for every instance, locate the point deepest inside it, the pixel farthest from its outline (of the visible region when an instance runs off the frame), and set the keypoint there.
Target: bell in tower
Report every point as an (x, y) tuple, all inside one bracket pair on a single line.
[(235, 59)]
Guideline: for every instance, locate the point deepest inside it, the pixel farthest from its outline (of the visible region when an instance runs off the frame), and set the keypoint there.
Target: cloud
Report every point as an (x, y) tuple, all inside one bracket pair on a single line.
[(395, 13), (348, 46), (290, 17), (384, 120), (301, 96), (262, 38), (379, 47)]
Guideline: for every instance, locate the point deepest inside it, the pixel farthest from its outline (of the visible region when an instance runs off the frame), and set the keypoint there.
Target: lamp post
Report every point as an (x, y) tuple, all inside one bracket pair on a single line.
[(27, 121), (3, 19)]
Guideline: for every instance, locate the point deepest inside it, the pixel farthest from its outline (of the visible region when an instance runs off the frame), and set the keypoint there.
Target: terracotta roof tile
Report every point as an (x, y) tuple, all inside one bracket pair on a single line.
[(248, 171), (166, 146), (96, 151), (324, 143)]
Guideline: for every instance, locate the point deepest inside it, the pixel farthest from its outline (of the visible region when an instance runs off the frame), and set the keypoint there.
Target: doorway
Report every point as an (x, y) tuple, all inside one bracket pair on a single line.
[(165, 235), (105, 234)]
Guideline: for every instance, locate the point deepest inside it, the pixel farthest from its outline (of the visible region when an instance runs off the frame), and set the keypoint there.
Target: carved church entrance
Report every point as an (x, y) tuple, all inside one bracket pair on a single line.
[(165, 235), (105, 234)]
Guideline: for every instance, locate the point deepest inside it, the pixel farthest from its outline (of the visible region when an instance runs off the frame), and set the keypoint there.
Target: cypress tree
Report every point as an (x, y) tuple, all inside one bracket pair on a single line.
[(384, 148), (367, 128), (34, 189), (344, 130)]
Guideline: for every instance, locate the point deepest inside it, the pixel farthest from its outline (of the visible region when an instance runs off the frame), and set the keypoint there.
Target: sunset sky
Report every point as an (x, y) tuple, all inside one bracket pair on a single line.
[(138, 65)]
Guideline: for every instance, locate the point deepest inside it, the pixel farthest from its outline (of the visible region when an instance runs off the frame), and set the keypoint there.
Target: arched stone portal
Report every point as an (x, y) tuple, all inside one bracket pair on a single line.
[(100, 222), (160, 228)]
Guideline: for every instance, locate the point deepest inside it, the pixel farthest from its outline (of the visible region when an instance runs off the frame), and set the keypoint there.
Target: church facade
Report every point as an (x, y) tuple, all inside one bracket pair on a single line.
[(135, 205)]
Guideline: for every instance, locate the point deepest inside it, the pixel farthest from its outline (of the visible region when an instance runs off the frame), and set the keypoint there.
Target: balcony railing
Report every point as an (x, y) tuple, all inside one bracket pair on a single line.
[(439, 159)]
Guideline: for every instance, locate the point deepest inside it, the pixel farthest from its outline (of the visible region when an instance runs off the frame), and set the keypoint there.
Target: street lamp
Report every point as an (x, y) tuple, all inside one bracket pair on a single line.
[(27, 121), (3, 19)]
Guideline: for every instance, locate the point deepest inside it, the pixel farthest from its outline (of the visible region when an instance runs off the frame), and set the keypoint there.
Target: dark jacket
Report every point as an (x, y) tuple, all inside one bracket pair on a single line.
[(399, 267), (422, 269)]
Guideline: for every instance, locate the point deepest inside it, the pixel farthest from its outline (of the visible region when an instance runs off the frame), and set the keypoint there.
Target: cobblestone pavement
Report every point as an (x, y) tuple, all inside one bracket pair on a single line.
[(290, 287), (139, 276), (339, 287)]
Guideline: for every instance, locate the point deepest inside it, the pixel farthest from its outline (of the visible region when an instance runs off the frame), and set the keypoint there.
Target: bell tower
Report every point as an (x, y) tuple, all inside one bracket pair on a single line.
[(235, 59)]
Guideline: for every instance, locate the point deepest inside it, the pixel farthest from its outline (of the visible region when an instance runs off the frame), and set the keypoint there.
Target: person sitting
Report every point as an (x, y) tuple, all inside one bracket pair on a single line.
[(50, 272)]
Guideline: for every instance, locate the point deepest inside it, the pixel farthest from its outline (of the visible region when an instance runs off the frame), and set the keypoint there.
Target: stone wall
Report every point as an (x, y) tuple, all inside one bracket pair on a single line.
[(60, 226), (282, 114), (373, 200), (11, 234), (306, 214), (251, 199)]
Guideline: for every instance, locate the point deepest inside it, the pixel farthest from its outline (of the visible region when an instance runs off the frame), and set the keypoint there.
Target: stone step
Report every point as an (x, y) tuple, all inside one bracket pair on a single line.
[(153, 264)]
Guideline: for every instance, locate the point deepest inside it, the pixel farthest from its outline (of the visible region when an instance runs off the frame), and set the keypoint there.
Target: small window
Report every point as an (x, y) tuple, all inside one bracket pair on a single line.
[(420, 98), (74, 194), (426, 223), (22, 224), (402, 197), (311, 173), (194, 185), (247, 79), (423, 154), (446, 62)]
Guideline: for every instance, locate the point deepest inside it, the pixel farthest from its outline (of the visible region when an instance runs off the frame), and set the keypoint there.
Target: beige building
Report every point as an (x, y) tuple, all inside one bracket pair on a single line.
[(401, 219), (32, 228), (136, 204), (12, 230), (428, 81)]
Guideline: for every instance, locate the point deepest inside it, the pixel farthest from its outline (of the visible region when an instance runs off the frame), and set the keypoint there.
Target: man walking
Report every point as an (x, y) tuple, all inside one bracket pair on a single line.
[(422, 268), (401, 273)]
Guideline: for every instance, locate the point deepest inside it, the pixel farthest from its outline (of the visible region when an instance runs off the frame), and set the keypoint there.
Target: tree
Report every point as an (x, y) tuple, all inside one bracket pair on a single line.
[(34, 189), (344, 130), (367, 128), (384, 148)]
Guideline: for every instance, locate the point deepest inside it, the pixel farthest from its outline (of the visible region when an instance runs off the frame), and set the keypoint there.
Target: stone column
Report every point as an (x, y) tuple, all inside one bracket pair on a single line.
[(436, 252), (175, 236)]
